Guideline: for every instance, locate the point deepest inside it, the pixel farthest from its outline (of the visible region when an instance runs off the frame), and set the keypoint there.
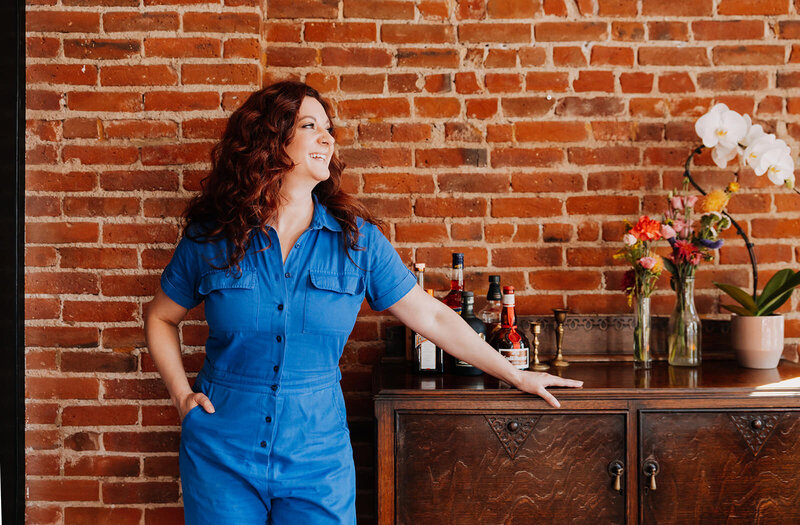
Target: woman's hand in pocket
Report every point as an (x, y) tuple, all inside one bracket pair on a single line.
[(192, 400)]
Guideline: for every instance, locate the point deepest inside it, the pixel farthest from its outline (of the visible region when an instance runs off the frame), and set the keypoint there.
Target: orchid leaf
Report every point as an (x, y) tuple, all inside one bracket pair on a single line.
[(778, 280), (670, 266), (777, 303), (788, 286), (739, 295), (735, 308)]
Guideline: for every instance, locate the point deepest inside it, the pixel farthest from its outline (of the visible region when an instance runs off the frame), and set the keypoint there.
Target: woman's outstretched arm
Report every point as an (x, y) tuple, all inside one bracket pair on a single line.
[(434, 320), (161, 318)]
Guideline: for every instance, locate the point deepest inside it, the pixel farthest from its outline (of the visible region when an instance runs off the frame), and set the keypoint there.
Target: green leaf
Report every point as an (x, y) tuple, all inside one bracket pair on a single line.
[(735, 308), (778, 280), (739, 295), (788, 286), (777, 304), (670, 266)]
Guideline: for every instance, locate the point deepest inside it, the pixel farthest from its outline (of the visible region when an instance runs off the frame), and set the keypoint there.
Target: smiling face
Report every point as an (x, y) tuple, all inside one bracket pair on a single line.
[(311, 148)]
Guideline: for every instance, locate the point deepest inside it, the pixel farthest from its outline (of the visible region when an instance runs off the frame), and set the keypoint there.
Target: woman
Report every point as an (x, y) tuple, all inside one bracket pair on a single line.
[(283, 259)]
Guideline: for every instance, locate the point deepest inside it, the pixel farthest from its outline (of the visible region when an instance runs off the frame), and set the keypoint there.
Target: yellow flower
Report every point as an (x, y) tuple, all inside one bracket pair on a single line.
[(714, 201), (659, 267), (733, 187)]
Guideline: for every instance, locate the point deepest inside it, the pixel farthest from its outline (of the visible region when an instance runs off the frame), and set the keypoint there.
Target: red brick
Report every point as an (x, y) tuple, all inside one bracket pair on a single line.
[(41, 47), (61, 388), (546, 182), (398, 183), (526, 106), (501, 33), (636, 82), (138, 233), (501, 58), (753, 7), (376, 157), (474, 182), (61, 233), (242, 48), (748, 55), (775, 228), (417, 34), (427, 58), (302, 8), (198, 47), (532, 56), (569, 56), (565, 280), (102, 466), (374, 9), (102, 515), (360, 57), (609, 155), (74, 74), (124, 21), (41, 464), (467, 83), (444, 157), (417, 232), (42, 100), (136, 179), (547, 81), (526, 207), (104, 101), (185, 153), (589, 107), (592, 256), (461, 132), (503, 82), (594, 81), (551, 131), (677, 8), (346, 32), (513, 9), (436, 107), (229, 23), (472, 231), (556, 232), (433, 9), (62, 490), (140, 492), (673, 56), (219, 74), (729, 29), (660, 31), (99, 415), (597, 303), (100, 49), (181, 101), (612, 56), (570, 31), (554, 7), (617, 8), (732, 80), (388, 207), (138, 76), (508, 157), (481, 108), (450, 207), (140, 129), (62, 22), (679, 82), (521, 257), (603, 205)]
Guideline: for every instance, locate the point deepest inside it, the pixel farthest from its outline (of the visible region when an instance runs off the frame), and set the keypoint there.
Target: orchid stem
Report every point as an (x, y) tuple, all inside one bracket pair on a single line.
[(688, 176)]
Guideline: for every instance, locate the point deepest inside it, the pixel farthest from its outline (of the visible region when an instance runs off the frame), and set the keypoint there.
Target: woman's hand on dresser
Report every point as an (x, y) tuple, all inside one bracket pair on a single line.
[(536, 382), (191, 400)]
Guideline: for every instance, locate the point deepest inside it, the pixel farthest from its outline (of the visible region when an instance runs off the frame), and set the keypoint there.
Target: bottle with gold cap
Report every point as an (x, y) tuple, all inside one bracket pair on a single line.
[(428, 358)]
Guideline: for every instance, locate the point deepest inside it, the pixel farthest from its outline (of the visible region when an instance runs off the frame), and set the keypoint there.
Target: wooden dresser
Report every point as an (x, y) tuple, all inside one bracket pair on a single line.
[(724, 443)]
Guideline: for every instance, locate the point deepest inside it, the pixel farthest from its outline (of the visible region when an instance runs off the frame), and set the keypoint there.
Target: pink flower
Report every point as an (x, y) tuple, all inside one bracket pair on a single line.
[(678, 225), (648, 263), (667, 231), (677, 203), (629, 239), (691, 200)]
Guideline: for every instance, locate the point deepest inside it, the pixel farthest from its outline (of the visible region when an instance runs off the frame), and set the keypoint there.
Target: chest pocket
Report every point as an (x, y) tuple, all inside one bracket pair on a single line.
[(332, 302), (231, 302)]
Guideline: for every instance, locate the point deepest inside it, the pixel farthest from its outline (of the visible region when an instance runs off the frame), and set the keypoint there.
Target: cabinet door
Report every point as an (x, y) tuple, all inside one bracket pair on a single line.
[(721, 467), (508, 468)]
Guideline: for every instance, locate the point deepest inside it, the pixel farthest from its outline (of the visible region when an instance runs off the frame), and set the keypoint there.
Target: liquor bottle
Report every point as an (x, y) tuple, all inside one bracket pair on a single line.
[(468, 314), (453, 299), (490, 314), (419, 272), (510, 342), (428, 358)]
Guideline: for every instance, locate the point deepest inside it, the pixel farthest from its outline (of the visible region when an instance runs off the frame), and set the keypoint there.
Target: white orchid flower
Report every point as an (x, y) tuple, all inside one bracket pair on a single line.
[(754, 132), (789, 182), (721, 156), (754, 152), (721, 127), (781, 165)]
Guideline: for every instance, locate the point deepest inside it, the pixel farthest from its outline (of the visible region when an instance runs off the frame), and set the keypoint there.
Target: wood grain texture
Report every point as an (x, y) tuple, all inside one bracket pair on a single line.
[(453, 469), (709, 473)]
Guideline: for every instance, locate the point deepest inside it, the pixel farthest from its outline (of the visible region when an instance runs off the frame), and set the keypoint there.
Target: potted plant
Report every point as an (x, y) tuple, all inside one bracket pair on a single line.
[(756, 330)]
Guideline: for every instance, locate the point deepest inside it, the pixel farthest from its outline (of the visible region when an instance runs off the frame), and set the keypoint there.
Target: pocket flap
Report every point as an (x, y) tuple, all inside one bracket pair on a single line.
[(221, 279), (348, 283)]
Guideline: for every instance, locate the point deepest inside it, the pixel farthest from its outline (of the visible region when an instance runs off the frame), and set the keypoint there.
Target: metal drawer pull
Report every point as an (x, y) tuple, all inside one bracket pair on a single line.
[(616, 469), (651, 469), (512, 426)]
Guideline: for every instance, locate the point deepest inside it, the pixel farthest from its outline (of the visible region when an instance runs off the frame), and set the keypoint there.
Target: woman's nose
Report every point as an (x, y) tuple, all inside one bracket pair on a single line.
[(326, 137)]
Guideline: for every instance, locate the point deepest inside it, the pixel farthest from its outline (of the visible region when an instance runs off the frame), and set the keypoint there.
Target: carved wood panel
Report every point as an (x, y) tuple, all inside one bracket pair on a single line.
[(722, 467), (469, 469)]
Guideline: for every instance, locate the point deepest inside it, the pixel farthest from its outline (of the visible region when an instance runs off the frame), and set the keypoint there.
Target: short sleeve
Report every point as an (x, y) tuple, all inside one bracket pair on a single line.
[(388, 279), (179, 278)]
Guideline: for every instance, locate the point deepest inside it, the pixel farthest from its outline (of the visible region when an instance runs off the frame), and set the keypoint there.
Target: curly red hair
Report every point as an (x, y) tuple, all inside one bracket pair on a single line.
[(241, 193)]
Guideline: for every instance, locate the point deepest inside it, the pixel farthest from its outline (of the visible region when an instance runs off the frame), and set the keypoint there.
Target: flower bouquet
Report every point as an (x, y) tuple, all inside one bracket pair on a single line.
[(639, 282)]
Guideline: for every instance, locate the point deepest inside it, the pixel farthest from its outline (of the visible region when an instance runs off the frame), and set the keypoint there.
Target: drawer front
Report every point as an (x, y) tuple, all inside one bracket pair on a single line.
[(721, 467), (508, 468)]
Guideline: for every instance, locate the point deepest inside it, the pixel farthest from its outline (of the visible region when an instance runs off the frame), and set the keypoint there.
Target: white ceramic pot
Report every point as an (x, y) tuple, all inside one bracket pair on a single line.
[(758, 341)]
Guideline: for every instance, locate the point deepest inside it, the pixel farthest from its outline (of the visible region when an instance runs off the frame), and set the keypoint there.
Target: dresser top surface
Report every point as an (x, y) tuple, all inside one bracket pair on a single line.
[(604, 378)]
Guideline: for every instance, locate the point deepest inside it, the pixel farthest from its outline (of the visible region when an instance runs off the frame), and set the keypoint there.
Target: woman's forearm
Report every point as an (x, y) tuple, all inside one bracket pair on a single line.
[(451, 333), (163, 343)]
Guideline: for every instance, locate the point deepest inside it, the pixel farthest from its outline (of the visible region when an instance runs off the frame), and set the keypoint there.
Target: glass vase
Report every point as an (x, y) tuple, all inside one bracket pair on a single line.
[(683, 331), (641, 333)]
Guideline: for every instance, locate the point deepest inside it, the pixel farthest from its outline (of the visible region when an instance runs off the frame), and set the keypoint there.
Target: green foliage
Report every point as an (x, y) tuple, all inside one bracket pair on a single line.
[(776, 292)]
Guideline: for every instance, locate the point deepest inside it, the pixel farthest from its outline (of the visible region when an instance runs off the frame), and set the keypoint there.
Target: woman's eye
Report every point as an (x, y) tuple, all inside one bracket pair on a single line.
[(308, 125)]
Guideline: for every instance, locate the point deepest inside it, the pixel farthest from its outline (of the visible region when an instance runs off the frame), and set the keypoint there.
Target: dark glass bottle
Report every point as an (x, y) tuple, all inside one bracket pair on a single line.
[(428, 358), (468, 314), (510, 342), (490, 314), (453, 299)]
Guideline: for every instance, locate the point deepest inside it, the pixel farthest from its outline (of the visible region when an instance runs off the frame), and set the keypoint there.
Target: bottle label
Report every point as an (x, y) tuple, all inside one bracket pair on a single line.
[(516, 356), (427, 354)]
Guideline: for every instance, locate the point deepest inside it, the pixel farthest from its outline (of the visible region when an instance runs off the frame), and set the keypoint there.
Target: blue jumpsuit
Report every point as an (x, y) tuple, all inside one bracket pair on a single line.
[(277, 448)]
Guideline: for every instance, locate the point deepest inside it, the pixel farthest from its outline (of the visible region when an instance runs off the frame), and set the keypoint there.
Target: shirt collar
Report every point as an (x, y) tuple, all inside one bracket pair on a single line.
[(323, 218)]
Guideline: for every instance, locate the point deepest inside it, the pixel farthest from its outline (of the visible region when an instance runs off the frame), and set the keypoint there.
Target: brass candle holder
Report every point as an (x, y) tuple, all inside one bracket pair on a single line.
[(536, 329), (561, 315)]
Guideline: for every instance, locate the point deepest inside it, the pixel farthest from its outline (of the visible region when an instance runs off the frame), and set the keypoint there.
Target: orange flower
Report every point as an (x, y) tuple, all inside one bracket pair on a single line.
[(646, 229), (714, 201)]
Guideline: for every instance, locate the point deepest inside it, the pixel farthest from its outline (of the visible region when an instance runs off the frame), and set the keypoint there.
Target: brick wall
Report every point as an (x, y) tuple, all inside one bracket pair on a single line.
[(521, 132)]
